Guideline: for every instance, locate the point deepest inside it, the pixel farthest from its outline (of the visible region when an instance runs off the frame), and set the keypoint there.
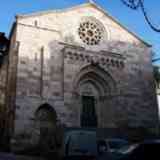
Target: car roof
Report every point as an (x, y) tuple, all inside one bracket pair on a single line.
[(153, 141), (80, 132), (116, 139)]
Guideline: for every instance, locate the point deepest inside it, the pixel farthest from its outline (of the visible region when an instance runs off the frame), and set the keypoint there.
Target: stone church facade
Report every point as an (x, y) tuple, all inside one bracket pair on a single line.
[(90, 69)]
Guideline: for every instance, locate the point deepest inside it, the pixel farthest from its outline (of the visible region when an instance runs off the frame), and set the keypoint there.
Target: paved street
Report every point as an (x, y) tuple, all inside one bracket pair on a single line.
[(10, 156), (28, 158)]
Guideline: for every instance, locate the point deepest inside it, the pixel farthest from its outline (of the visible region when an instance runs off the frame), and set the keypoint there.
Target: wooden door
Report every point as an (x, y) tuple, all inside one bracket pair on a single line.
[(88, 113)]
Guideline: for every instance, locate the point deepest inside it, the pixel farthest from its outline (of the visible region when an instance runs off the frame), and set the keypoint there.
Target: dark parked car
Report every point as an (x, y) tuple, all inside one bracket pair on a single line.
[(7, 156), (148, 150), (80, 145), (110, 148), (83, 145), (114, 144)]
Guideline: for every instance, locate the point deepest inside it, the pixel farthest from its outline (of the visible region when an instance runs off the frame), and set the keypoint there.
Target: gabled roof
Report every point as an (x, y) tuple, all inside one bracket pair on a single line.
[(90, 3)]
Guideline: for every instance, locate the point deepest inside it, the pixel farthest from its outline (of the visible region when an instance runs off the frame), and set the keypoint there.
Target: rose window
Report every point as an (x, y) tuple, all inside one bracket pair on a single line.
[(90, 33)]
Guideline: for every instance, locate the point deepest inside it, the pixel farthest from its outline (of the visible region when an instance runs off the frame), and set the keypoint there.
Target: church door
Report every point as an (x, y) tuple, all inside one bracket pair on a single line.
[(46, 120), (88, 114)]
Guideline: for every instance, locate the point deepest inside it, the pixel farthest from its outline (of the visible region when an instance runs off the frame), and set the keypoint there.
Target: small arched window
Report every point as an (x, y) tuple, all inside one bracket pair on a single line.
[(36, 23)]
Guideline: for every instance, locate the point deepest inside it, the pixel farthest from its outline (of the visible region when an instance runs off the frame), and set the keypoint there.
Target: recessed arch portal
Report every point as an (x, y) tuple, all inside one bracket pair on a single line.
[(97, 76), (46, 112), (45, 118), (92, 83)]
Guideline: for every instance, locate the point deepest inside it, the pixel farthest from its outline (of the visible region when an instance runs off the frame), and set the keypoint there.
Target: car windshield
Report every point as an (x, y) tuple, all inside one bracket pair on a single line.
[(83, 143), (117, 144)]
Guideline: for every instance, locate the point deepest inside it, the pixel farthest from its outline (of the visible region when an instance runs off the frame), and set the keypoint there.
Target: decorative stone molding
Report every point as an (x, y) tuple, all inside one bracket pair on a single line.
[(102, 58), (96, 75)]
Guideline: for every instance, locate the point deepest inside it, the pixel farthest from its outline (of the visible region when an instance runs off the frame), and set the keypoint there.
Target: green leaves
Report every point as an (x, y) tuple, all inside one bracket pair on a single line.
[(156, 72)]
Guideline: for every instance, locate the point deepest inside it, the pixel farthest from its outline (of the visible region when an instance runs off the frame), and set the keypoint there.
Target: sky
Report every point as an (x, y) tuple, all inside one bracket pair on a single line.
[(133, 20)]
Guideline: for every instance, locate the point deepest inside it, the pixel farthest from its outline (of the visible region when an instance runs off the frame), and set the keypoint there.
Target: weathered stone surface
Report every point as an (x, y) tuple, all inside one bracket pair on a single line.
[(53, 65)]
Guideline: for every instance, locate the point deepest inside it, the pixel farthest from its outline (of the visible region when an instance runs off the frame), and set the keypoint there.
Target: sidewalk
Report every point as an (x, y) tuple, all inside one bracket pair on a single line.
[(21, 157)]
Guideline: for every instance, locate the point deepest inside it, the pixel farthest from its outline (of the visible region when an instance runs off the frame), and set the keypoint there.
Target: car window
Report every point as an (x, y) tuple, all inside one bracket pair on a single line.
[(117, 144), (102, 146), (82, 143)]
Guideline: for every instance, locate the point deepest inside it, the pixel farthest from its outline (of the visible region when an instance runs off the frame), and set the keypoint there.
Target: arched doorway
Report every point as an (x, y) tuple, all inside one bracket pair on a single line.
[(46, 112), (88, 111), (92, 84), (45, 118)]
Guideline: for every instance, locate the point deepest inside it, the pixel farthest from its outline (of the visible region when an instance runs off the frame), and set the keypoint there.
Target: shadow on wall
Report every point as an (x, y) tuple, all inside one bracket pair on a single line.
[(46, 137)]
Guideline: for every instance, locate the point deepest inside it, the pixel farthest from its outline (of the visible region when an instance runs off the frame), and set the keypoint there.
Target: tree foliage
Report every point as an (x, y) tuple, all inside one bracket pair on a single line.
[(156, 72)]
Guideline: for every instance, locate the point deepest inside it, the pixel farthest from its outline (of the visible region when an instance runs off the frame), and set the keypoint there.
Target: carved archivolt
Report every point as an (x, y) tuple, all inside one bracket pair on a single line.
[(101, 80)]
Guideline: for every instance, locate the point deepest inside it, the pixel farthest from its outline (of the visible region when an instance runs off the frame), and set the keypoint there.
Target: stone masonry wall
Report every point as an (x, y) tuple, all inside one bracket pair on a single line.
[(44, 74)]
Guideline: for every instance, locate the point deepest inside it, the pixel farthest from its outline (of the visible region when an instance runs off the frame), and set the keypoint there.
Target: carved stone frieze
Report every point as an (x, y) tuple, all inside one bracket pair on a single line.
[(102, 58)]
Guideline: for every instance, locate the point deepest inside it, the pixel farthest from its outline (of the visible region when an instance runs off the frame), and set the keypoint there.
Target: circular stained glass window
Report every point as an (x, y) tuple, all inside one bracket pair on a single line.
[(90, 32)]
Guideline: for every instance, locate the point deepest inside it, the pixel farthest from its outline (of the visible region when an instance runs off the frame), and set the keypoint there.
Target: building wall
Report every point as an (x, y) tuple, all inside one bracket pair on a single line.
[(11, 80), (51, 56), (3, 82), (3, 78)]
